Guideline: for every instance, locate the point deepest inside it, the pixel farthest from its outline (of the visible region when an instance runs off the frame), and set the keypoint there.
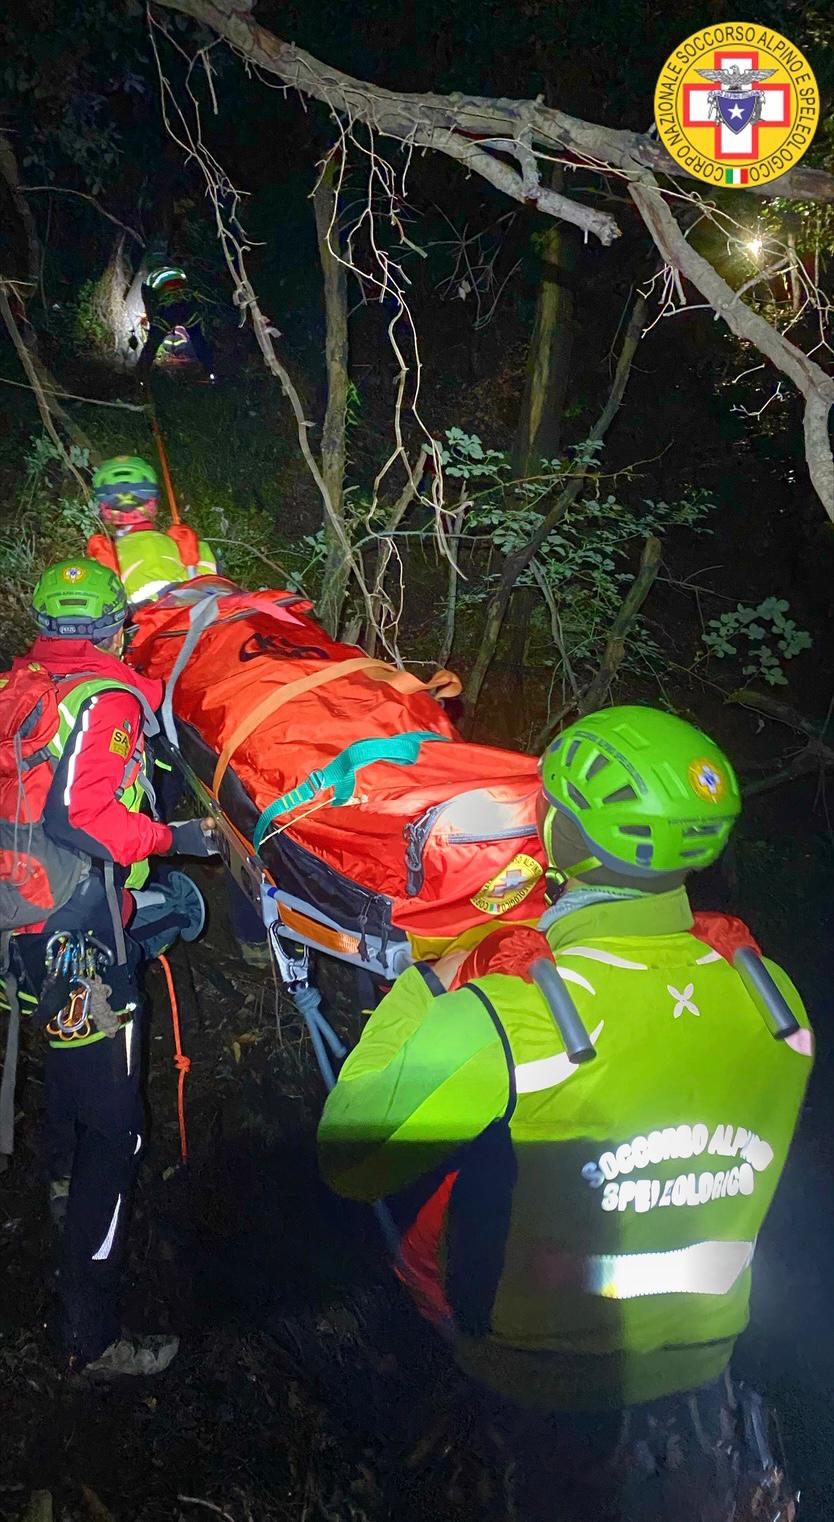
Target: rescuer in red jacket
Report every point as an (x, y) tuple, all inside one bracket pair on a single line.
[(95, 806)]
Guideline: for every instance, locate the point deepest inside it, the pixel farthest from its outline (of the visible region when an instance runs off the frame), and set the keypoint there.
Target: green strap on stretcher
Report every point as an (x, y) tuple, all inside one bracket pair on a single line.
[(340, 773)]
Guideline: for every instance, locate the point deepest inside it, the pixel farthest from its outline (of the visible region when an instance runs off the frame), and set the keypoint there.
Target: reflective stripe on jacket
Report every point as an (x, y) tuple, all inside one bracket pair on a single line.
[(135, 789), (598, 1236), (150, 561)]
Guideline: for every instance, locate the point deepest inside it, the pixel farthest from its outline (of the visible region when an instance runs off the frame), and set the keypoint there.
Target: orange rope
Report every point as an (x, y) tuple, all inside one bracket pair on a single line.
[(181, 1062), (166, 474)]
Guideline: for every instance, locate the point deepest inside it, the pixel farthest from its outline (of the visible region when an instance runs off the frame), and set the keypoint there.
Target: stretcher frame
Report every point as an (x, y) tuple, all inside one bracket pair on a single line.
[(251, 876), (294, 969), (290, 951)]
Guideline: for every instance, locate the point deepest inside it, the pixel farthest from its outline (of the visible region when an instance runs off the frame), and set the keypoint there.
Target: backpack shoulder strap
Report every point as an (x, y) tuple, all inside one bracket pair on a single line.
[(94, 686)]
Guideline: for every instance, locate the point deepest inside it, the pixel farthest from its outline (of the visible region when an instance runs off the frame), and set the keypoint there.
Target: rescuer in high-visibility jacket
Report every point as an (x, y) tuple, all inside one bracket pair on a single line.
[(126, 491), (587, 1153), (95, 808), (170, 304)]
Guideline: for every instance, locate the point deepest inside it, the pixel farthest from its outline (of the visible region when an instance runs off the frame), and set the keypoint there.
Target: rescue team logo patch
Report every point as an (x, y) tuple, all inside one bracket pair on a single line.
[(73, 574), (708, 780), (508, 887), (120, 744), (736, 104)]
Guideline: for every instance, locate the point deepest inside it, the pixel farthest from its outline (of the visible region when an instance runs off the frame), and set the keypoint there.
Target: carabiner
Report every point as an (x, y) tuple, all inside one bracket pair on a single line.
[(68, 1019)]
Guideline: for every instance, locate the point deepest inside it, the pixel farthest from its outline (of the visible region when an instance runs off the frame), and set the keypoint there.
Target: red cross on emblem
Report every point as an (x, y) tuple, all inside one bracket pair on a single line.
[(729, 145)]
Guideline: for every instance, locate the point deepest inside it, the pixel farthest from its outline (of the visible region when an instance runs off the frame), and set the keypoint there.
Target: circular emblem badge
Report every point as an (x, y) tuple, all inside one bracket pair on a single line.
[(736, 104), (707, 780), (73, 573)]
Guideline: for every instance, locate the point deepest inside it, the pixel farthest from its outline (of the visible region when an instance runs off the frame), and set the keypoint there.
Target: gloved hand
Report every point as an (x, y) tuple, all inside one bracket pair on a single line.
[(194, 837)]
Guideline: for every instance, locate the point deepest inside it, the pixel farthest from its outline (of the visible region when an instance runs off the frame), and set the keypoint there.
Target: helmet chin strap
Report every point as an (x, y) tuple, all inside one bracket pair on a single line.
[(557, 878)]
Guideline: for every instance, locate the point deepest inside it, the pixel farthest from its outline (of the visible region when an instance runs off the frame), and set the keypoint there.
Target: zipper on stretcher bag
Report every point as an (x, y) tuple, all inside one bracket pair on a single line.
[(418, 832)]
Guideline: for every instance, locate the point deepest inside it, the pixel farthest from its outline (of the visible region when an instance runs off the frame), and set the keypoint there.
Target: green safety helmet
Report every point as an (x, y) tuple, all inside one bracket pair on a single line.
[(647, 793), (126, 490), (80, 599), (168, 274)]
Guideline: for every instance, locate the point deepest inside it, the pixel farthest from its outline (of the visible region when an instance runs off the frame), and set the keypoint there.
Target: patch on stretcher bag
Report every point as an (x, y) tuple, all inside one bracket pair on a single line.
[(509, 887), (386, 834)]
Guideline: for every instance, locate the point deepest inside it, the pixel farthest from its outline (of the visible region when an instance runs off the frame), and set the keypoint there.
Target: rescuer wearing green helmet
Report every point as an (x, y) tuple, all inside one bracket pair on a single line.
[(148, 560), (84, 922), (170, 305), (584, 1138)]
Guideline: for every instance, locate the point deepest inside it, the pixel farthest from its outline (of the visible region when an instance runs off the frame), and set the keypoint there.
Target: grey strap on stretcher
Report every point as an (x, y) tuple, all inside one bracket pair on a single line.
[(7, 1083), (200, 616), (577, 1042)]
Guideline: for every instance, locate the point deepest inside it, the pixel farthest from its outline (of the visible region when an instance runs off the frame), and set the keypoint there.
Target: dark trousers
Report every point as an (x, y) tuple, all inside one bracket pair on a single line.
[(176, 315), (93, 1132), (94, 1129)]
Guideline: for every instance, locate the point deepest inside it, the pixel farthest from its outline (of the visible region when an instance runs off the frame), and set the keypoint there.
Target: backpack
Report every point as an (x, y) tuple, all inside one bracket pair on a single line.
[(37, 876)]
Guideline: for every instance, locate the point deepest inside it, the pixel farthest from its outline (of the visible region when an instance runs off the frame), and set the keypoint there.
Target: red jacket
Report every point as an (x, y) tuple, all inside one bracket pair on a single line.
[(96, 768)]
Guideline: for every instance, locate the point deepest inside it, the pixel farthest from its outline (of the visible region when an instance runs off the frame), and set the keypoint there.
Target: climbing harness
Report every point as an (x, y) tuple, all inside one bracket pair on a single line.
[(76, 963)]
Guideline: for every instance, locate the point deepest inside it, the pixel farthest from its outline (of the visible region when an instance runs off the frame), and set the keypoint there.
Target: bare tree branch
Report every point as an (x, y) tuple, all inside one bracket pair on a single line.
[(9, 173), (815, 755), (28, 363), (809, 378), (452, 589), (333, 438), (612, 656), (441, 121), (63, 190), (499, 139), (385, 540), (597, 689)]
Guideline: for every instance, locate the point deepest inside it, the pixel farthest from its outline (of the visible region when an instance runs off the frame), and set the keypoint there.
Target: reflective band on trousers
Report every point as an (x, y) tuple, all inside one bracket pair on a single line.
[(705, 1268)]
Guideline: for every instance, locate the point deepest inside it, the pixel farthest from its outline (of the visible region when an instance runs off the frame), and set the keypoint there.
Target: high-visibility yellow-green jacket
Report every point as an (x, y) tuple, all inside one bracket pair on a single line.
[(149, 561), (598, 1239)]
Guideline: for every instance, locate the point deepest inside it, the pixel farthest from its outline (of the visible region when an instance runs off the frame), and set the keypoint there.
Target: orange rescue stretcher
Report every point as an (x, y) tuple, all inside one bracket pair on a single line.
[(354, 815)]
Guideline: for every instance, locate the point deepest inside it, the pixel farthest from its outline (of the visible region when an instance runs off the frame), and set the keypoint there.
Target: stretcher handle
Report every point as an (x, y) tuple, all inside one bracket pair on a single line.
[(442, 684)]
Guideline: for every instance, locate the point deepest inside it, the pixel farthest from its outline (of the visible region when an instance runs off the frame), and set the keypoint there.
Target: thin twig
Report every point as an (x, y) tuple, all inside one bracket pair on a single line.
[(209, 1505), (70, 396), (43, 406), (64, 190), (454, 574)]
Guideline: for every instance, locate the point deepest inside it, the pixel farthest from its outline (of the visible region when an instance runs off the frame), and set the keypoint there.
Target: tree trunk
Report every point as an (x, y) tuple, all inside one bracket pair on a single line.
[(9, 173), (116, 307), (333, 439), (519, 559), (539, 435)]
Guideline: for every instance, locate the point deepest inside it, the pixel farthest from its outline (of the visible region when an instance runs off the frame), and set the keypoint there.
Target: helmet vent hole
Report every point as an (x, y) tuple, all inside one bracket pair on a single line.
[(697, 830), (571, 752), (596, 766), (624, 794), (576, 797), (642, 831)]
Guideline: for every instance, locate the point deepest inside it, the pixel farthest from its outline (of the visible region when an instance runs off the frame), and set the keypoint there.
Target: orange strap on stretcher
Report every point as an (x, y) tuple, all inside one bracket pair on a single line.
[(443, 684)]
